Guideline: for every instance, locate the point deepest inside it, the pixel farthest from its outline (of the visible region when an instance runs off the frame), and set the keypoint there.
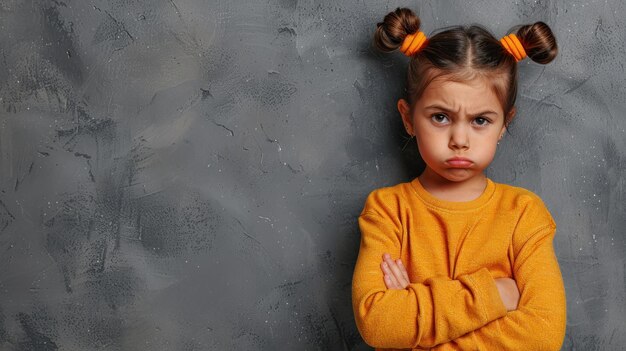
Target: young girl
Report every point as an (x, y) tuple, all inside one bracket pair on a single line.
[(453, 260)]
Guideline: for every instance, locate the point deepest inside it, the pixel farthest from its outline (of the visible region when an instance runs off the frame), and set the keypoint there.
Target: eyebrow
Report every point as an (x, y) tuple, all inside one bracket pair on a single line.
[(439, 107)]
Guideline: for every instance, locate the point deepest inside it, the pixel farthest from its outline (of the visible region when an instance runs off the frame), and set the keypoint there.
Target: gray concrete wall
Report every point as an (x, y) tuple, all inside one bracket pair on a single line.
[(186, 175)]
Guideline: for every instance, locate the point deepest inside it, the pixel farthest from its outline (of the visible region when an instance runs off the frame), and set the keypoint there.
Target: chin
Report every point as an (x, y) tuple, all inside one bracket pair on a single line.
[(460, 174)]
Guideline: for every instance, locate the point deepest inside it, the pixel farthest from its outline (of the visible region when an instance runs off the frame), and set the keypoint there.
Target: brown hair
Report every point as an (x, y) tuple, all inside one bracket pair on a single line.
[(463, 53)]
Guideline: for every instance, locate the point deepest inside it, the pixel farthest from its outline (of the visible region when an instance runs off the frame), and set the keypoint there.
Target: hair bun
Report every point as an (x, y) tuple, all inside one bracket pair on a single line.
[(396, 25), (538, 41)]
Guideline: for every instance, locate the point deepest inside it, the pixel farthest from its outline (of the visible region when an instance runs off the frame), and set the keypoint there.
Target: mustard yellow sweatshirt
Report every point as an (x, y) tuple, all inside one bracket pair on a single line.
[(453, 251)]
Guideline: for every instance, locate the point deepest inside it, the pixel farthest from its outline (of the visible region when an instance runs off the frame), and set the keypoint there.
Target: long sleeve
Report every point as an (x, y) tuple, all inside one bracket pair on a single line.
[(423, 314), (540, 319)]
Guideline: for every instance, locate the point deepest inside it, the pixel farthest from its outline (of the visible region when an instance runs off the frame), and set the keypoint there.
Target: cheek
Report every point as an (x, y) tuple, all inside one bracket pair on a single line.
[(428, 145), (432, 138), (490, 150)]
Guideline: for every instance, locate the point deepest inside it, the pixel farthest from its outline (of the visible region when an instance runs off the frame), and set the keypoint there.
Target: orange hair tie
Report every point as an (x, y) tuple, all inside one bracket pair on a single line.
[(412, 43), (512, 44)]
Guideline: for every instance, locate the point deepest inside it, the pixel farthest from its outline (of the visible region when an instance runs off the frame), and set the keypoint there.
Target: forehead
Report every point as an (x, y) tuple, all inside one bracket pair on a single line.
[(470, 95)]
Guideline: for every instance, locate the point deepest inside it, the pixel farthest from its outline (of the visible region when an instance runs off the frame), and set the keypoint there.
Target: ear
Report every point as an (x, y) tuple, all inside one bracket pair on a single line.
[(407, 120), (508, 121)]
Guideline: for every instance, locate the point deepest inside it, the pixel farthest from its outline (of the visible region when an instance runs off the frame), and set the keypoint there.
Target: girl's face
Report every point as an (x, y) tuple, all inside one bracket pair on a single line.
[(454, 119)]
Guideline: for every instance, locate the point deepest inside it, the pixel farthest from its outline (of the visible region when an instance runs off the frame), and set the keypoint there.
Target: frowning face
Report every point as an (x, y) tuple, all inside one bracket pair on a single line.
[(455, 119)]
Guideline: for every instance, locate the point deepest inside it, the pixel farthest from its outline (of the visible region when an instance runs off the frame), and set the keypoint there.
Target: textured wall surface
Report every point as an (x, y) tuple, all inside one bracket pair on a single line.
[(186, 175)]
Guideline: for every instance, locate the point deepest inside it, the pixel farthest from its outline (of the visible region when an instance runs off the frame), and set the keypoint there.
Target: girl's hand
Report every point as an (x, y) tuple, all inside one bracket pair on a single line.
[(509, 293), (396, 276)]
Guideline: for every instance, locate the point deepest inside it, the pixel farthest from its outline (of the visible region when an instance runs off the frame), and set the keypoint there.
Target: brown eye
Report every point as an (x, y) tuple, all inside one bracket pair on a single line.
[(482, 121), (437, 117)]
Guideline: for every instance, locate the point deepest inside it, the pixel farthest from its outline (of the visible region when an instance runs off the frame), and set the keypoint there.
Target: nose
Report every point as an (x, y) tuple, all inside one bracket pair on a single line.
[(459, 139)]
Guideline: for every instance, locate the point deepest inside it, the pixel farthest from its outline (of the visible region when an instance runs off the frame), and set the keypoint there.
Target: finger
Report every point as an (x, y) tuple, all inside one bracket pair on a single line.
[(396, 270), (386, 274), (390, 274), (405, 274), (396, 284), (389, 283), (393, 271), (403, 278), (398, 262), (383, 268)]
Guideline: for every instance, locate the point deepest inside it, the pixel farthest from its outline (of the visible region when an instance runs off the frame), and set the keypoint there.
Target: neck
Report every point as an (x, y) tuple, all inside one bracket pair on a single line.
[(445, 189)]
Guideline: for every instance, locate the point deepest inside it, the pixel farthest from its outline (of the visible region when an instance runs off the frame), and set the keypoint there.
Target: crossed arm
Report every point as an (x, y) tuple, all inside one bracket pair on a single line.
[(466, 313), (396, 277)]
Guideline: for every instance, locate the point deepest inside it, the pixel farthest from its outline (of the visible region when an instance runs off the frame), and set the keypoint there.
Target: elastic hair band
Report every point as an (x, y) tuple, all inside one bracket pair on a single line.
[(412, 43), (512, 44)]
